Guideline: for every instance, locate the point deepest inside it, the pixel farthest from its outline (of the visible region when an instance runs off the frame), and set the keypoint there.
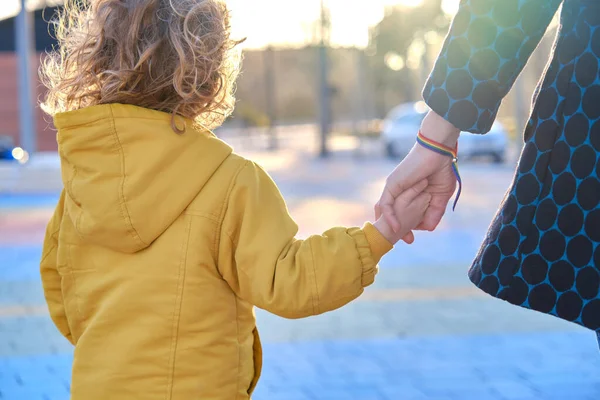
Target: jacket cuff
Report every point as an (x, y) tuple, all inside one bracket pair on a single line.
[(371, 246), (463, 114), (377, 242)]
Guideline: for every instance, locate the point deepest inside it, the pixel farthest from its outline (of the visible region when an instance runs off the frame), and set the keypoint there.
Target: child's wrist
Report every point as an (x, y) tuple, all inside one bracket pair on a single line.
[(386, 231), (378, 236)]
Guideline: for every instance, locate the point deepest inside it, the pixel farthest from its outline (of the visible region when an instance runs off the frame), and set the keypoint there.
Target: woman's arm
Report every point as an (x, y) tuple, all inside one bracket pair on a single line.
[(488, 45), (486, 49)]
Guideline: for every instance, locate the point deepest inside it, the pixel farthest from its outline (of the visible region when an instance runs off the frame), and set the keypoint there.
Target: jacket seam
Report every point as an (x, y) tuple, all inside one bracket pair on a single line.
[(75, 126), (54, 235), (211, 217), (367, 262), (104, 118), (223, 210), (49, 251), (239, 345), (239, 350), (315, 283), (124, 211), (177, 309), (217, 244), (76, 291), (70, 193)]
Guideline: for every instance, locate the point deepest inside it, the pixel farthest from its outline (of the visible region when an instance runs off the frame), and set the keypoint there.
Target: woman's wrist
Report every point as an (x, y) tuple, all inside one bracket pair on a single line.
[(436, 128)]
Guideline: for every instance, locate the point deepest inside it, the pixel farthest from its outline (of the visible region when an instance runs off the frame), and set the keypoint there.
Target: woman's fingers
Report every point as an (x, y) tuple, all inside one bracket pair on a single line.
[(386, 204), (410, 194)]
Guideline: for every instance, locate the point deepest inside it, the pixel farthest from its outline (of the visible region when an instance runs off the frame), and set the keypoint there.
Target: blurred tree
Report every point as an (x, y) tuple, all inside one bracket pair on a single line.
[(251, 116), (389, 51)]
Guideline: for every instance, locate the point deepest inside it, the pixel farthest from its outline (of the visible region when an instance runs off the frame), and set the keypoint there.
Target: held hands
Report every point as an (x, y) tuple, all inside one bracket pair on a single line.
[(421, 164), (411, 206)]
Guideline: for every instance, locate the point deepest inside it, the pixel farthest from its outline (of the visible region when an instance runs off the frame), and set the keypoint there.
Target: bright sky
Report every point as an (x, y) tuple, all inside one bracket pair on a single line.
[(276, 22)]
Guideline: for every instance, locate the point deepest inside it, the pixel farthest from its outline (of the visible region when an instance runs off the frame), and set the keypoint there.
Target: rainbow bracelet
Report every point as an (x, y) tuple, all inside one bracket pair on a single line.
[(445, 151)]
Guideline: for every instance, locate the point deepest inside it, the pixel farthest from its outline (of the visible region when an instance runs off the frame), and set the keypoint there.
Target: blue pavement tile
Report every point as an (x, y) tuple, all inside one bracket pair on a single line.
[(495, 371), (565, 376), (447, 373), (562, 396), (19, 263), (18, 201), (28, 393), (260, 395), (26, 336), (350, 392), (570, 389), (432, 250), (36, 378), (395, 391), (438, 385), (23, 293), (513, 390)]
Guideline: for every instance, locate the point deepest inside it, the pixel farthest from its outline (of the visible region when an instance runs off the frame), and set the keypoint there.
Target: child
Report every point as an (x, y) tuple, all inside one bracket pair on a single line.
[(163, 239)]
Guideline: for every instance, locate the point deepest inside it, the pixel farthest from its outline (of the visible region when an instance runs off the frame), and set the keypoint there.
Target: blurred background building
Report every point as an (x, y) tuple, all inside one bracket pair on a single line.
[(377, 58)]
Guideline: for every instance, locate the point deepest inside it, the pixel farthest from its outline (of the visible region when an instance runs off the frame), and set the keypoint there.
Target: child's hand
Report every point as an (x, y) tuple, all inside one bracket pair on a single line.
[(409, 208)]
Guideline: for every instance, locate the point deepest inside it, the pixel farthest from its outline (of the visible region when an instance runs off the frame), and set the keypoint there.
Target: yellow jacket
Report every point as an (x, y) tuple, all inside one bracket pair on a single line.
[(161, 245)]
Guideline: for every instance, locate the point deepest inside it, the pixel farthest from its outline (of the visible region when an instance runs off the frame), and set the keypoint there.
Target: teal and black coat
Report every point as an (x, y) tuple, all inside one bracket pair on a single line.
[(542, 250)]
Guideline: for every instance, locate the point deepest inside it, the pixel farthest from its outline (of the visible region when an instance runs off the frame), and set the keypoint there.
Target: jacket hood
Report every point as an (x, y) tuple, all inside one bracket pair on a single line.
[(128, 176)]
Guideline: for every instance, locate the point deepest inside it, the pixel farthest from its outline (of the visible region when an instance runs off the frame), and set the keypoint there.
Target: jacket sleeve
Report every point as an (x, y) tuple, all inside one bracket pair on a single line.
[(487, 47), (51, 279), (264, 263)]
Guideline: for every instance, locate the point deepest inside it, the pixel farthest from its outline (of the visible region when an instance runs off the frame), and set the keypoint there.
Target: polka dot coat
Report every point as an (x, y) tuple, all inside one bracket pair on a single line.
[(542, 250)]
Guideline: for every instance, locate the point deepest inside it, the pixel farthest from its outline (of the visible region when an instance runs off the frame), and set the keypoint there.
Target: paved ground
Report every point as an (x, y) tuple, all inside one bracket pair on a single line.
[(421, 332)]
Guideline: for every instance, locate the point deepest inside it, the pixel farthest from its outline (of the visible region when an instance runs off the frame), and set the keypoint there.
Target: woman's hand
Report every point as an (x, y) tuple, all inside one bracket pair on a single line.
[(410, 207), (418, 165)]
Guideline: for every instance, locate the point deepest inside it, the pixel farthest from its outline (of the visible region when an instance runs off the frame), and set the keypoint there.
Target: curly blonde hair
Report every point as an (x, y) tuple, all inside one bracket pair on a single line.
[(174, 56)]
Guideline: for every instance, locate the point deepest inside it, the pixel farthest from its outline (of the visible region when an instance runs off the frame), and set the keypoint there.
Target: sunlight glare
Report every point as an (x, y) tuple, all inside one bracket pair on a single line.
[(410, 3), (284, 23), (394, 61), (450, 7), (9, 8)]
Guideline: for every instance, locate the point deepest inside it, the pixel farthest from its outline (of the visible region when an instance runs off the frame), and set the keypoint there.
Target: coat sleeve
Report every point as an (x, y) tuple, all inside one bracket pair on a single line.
[(51, 279), (267, 266), (488, 45)]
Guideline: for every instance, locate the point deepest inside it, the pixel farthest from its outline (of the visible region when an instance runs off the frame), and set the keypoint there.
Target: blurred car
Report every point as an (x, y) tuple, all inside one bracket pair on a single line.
[(9, 152), (403, 122)]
